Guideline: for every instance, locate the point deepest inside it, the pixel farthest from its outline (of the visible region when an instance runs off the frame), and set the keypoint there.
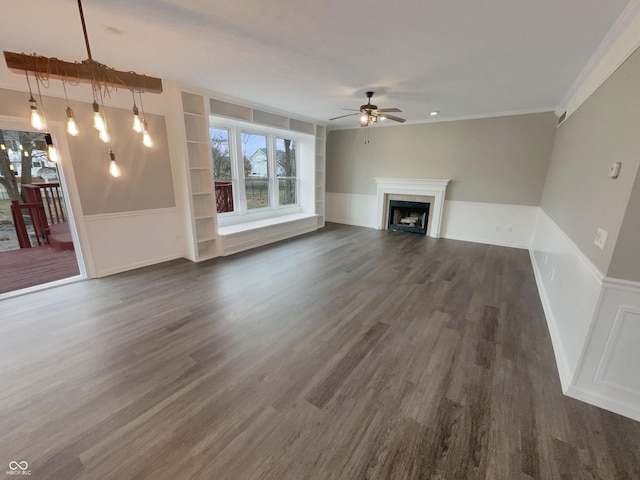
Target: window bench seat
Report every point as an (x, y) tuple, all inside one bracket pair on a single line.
[(244, 236)]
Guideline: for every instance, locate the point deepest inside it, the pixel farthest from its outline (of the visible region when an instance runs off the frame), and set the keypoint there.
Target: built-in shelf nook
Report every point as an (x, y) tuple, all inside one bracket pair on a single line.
[(210, 235)]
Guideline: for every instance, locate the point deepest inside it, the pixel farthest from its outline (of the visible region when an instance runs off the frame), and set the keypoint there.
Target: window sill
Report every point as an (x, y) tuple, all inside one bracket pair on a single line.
[(258, 224)]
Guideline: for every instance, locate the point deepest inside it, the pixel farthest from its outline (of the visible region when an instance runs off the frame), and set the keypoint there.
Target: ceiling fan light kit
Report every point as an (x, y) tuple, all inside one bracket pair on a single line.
[(370, 114)]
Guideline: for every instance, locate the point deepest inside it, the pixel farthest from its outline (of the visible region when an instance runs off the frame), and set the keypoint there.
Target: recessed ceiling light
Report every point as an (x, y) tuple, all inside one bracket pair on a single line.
[(434, 113)]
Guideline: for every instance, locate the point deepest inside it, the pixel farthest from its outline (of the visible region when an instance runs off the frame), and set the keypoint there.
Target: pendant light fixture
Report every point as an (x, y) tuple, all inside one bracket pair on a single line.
[(52, 152), (146, 138), (114, 170), (100, 76), (72, 127), (37, 120), (137, 123)]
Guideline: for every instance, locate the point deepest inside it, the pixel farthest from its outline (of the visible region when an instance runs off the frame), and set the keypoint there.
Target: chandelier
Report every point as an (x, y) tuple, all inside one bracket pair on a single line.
[(103, 80)]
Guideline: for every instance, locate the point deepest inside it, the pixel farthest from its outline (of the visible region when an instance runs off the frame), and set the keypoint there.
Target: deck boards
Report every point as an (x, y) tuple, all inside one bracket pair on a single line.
[(348, 353), (27, 267)]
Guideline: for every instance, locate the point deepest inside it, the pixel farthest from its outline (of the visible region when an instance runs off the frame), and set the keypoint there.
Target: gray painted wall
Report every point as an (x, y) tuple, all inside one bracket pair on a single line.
[(492, 160), (578, 195), (146, 181), (625, 262)]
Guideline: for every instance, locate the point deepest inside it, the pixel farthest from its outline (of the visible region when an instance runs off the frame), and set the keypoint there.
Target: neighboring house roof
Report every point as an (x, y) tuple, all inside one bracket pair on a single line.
[(259, 165), (259, 162)]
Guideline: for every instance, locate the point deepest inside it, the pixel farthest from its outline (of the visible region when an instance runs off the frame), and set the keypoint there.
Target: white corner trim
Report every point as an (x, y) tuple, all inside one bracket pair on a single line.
[(413, 186), (615, 48)]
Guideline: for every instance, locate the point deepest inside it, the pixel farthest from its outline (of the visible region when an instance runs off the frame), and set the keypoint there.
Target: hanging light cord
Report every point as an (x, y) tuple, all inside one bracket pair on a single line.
[(44, 113), (64, 87), (133, 95), (28, 83), (141, 106), (104, 115)]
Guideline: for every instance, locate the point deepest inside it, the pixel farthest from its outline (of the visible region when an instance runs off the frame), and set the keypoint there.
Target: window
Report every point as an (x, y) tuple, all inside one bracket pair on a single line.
[(286, 170), (222, 172), (255, 169)]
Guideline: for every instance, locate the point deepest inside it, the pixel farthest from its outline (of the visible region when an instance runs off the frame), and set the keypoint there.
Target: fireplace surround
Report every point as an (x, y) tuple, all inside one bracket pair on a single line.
[(435, 188)]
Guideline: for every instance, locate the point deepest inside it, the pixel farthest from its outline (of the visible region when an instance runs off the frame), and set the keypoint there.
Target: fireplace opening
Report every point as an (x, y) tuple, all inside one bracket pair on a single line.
[(408, 216)]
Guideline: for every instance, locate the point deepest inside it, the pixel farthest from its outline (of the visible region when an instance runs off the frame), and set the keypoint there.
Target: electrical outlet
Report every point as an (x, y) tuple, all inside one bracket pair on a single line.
[(601, 238)]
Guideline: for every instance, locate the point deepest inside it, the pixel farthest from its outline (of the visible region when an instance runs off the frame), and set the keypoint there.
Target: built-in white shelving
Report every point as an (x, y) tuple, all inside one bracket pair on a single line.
[(203, 237), (200, 179), (321, 145)]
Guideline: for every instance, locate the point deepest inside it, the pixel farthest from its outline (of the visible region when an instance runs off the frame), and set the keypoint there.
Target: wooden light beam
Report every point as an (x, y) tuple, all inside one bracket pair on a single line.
[(87, 71)]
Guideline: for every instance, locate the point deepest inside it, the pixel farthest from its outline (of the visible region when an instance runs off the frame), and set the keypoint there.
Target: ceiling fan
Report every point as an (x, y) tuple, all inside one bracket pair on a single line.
[(370, 114)]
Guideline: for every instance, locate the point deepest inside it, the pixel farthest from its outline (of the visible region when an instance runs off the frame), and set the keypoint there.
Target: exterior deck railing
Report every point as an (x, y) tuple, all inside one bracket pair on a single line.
[(38, 220), (50, 196), (224, 197)]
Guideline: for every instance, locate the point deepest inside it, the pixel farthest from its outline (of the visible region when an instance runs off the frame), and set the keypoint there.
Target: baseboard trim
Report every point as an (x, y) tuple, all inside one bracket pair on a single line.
[(592, 398), (484, 241), (133, 266), (564, 371), (349, 222)]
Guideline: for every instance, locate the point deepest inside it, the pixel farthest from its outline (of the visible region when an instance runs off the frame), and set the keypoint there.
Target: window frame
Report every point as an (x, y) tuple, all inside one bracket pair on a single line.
[(241, 212)]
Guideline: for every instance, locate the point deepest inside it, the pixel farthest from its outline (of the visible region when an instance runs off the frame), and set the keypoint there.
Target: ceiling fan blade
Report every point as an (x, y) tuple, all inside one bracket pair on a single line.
[(395, 119), (342, 116), (389, 110), (350, 109)]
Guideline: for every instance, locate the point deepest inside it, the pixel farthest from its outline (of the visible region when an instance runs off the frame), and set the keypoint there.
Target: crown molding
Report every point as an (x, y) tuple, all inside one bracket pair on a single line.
[(619, 43)]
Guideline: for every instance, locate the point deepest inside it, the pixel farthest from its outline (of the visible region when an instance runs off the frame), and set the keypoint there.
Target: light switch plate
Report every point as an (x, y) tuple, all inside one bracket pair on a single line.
[(601, 238), (614, 170)]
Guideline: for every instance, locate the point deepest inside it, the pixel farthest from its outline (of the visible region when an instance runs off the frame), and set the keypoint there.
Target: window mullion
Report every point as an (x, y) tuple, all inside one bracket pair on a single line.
[(238, 163), (273, 186)]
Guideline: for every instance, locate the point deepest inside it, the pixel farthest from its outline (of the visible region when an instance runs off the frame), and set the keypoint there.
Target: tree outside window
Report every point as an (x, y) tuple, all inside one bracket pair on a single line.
[(286, 170)]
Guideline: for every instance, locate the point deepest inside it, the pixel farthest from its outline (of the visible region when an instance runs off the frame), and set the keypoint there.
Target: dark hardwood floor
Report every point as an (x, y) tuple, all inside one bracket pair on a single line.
[(344, 354)]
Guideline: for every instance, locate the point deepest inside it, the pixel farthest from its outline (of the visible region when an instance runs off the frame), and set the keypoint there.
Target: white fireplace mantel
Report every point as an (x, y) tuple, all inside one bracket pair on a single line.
[(413, 186)]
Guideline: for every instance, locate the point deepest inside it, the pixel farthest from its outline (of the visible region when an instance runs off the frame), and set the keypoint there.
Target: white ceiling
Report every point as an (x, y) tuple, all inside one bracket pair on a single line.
[(313, 58)]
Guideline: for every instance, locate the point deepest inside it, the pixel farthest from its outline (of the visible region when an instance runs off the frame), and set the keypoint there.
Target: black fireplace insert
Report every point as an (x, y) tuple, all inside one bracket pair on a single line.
[(409, 217)]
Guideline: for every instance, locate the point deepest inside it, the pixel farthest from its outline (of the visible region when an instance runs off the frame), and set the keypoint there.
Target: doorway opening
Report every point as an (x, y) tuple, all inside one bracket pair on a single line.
[(36, 241)]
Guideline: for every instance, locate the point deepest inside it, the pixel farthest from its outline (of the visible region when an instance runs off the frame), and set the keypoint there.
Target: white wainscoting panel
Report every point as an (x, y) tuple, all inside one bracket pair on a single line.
[(351, 209), (594, 323), (609, 374), (569, 287), (491, 223), (128, 240)]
